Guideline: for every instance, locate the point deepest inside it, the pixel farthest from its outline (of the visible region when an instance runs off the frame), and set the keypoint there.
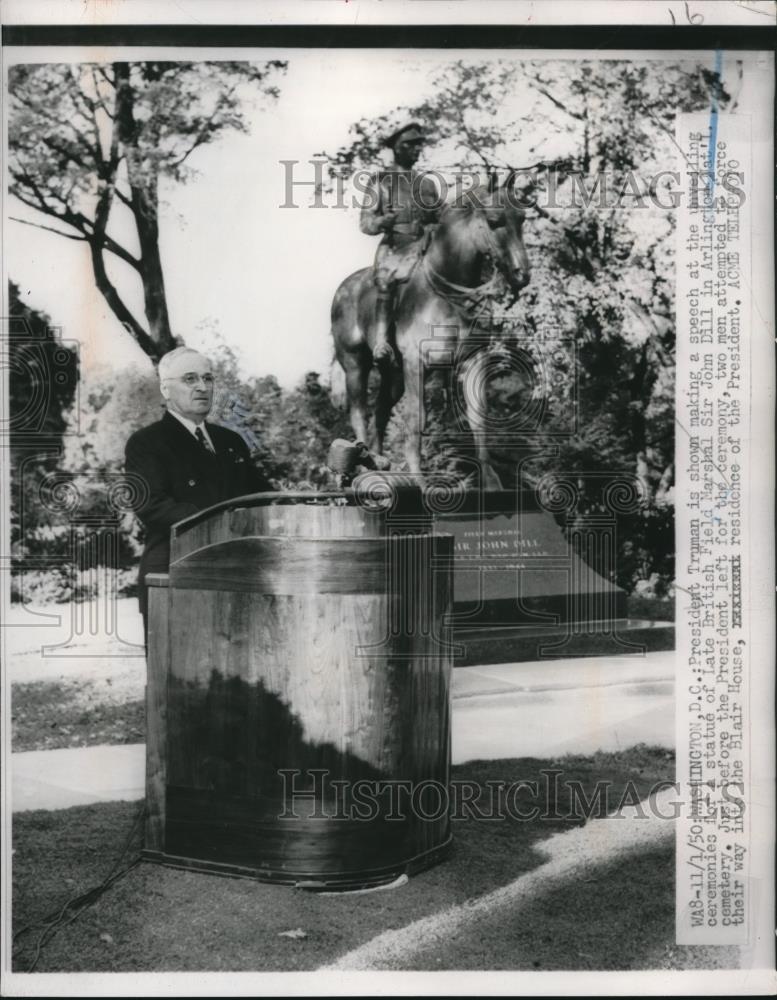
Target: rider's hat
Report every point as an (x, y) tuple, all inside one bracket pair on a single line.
[(410, 130)]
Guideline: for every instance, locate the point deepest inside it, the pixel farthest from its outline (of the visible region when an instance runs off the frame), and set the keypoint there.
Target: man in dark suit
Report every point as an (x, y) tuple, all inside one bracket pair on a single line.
[(184, 464)]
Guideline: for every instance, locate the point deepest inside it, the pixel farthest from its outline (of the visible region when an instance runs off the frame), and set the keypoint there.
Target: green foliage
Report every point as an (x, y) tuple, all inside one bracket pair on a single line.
[(111, 406), (42, 381), (290, 431), (43, 376), (67, 453), (63, 583), (540, 113)]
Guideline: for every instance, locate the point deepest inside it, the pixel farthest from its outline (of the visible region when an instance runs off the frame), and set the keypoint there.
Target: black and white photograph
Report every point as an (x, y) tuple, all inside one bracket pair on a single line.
[(388, 499)]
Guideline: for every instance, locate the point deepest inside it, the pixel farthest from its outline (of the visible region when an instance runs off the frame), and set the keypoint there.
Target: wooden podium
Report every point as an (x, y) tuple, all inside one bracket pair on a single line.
[(298, 695)]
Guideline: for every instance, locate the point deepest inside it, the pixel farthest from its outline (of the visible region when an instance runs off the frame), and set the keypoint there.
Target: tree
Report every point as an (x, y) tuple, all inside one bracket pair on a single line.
[(299, 434), (42, 380), (290, 430), (43, 373), (87, 140)]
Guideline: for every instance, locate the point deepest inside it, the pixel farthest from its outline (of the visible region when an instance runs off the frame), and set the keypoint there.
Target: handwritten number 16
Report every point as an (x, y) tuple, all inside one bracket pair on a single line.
[(696, 18)]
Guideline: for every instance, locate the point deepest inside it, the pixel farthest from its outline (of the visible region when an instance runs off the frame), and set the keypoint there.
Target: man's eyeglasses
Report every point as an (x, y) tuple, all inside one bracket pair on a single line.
[(191, 379)]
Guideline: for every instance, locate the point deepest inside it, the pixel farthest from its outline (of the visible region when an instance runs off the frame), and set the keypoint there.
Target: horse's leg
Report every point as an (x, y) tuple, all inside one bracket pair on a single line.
[(390, 392), (357, 370), (350, 317), (474, 397)]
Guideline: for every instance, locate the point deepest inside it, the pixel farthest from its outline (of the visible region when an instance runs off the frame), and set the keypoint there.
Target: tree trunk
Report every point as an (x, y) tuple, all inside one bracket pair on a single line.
[(122, 313), (143, 182), (145, 209)]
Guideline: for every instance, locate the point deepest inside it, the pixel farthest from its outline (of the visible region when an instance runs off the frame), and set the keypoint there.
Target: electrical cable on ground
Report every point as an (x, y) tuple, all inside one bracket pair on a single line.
[(55, 921)]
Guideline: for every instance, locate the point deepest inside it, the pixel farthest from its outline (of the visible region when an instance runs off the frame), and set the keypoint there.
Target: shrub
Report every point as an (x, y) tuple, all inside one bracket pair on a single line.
[(63, 584)]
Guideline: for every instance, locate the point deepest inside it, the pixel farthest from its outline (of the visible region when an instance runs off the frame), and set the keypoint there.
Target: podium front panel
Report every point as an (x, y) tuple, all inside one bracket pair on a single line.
[(307, 695)]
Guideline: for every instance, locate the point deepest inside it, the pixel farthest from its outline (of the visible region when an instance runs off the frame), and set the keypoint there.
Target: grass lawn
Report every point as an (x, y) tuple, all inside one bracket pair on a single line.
[(616, 915), (74, 713), (90, 695)]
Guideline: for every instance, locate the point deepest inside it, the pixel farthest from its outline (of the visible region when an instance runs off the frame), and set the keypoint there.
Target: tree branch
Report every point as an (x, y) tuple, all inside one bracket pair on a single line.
[(41, 205), (93, 232), (105, 75), (204, 130), (86, 235), (119, 309), (475, 148), (559, 104), (38, 110), (50, 229), (122, 197), (79, 94), (116, 248)]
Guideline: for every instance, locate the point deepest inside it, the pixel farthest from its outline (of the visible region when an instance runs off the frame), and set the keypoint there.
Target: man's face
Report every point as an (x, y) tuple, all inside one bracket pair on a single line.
[(188, 388), (408, 147)]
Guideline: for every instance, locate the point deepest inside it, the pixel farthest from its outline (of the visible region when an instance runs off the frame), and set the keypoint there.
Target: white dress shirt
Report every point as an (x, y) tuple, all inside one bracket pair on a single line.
[(191, 427)]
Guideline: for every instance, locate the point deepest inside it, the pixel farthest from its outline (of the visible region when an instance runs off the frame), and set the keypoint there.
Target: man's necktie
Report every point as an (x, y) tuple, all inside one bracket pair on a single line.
[(198, 433)]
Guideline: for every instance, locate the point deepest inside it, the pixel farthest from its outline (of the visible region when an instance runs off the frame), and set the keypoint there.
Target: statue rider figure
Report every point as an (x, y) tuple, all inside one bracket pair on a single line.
[(402, 205)]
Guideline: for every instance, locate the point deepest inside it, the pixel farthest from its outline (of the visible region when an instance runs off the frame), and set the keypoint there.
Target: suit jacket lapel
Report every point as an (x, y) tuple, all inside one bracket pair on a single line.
[(181, 437), (176, 430)]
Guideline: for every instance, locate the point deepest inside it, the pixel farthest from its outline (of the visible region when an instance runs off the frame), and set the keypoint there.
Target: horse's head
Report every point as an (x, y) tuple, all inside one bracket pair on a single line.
[(497, 230)]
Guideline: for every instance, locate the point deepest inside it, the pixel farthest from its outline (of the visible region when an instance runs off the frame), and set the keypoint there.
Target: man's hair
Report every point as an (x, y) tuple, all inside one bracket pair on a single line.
[(166, 361)]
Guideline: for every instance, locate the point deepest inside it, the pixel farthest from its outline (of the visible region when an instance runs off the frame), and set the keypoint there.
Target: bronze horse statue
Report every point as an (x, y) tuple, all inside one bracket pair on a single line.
[(440, 305)]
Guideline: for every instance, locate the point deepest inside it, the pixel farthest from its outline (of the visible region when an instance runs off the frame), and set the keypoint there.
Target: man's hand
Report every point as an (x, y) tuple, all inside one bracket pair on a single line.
[(388, 220)]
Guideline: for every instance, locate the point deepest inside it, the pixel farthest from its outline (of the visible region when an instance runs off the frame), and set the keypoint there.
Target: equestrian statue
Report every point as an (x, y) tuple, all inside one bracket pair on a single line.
[(434, 278)]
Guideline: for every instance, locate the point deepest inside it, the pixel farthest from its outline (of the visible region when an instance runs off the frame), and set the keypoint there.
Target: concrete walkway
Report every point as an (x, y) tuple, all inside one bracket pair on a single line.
[(542, 710)]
